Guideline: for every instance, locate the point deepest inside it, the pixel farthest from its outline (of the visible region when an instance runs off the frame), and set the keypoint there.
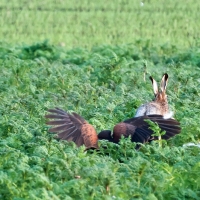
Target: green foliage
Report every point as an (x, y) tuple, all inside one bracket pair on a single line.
[(105, 85), (89, 23), (95, 58), (157, 132)]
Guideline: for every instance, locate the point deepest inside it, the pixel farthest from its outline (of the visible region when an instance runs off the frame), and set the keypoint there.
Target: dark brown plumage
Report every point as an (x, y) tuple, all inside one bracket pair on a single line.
[(72, 127)]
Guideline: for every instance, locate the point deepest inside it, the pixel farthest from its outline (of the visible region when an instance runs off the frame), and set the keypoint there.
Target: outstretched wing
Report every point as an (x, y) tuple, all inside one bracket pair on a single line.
[(143, 132), (72, 127), (139, 129)]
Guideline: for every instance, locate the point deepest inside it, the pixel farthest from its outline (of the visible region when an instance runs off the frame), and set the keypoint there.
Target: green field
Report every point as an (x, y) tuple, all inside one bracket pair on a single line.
[(90, 23), (95, 58)]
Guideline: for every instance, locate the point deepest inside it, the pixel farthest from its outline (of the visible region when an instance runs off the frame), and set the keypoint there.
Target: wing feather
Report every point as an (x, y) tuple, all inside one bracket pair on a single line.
[(143, 133), (70, 127)]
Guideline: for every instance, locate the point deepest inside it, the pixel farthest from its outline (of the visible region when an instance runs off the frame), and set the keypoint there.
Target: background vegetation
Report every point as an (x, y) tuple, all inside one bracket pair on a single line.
[(96, 62), (88, 23)]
